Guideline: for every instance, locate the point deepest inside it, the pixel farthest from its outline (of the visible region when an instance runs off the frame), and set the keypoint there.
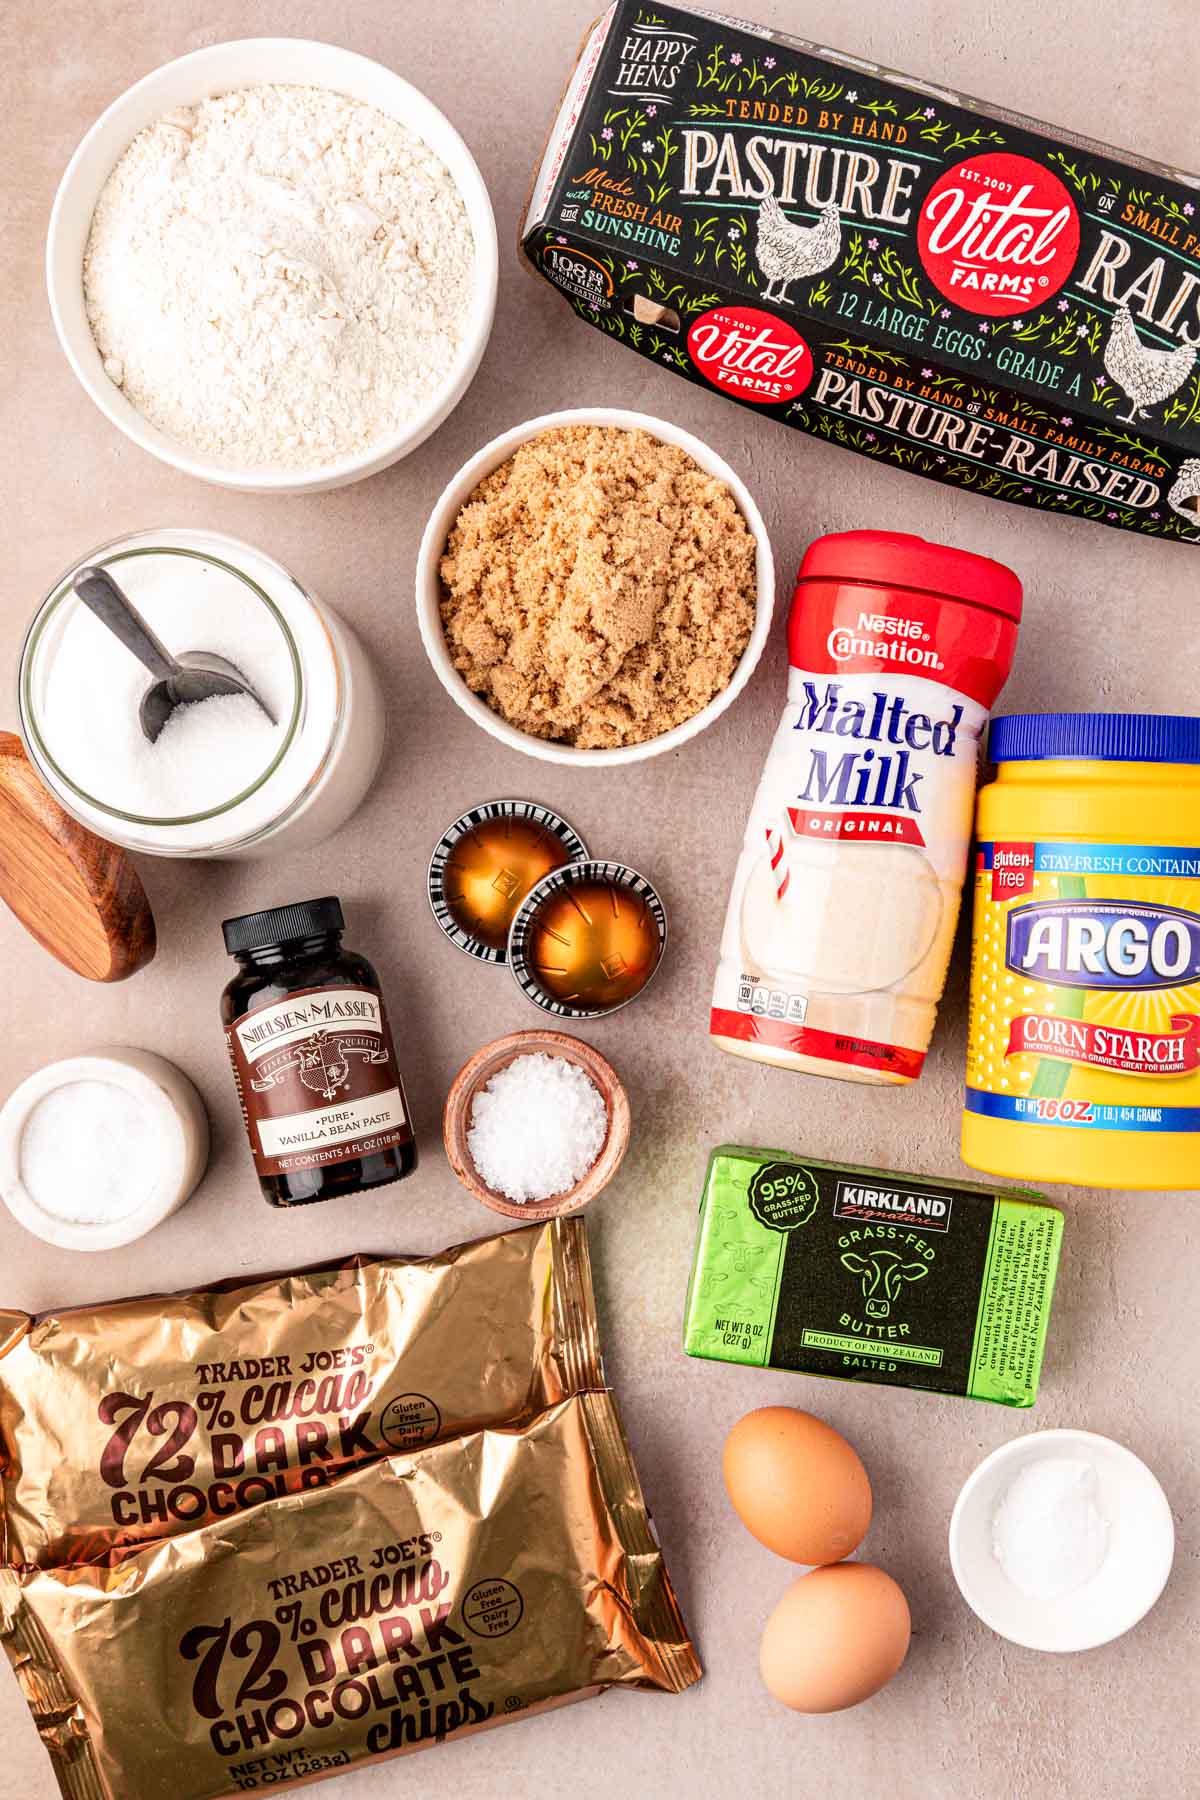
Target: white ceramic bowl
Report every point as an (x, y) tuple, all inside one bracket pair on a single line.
[(216, 70), (165, 1095), (429, 586), (1141, 1545)]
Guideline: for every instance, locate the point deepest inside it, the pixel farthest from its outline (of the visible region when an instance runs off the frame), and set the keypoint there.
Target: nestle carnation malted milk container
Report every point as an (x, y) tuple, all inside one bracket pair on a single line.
[(847, 891), (1084, 1044)]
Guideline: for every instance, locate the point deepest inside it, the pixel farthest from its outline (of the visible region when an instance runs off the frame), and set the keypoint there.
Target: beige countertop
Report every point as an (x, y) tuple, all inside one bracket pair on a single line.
[(1110, 621)]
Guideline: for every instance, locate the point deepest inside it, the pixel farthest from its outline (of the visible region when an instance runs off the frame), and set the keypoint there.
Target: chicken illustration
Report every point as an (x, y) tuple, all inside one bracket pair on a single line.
[(1184, 496), (786, 252), (1144, 376)]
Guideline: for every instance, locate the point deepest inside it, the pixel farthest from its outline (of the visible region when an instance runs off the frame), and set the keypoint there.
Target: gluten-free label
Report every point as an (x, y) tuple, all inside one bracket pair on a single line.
[(493, 1608)]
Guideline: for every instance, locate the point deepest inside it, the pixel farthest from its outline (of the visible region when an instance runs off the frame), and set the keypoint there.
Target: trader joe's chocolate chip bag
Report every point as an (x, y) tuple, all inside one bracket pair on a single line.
[(134, 1421)]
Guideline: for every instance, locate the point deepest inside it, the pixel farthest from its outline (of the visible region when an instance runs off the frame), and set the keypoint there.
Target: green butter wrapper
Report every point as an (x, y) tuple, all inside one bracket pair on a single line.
[(864, 1275)]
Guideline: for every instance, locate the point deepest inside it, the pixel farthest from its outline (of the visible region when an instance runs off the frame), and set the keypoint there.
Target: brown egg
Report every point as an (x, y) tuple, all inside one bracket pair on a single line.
[(837, 1636), (797, 1485)]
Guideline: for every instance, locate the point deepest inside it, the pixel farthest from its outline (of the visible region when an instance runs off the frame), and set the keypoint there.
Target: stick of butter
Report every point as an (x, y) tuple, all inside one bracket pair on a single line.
[(869, 1276)]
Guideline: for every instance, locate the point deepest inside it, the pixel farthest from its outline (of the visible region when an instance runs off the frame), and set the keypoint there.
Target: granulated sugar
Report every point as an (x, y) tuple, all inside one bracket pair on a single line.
[(206, 753), (279, 275), (536, 1128)]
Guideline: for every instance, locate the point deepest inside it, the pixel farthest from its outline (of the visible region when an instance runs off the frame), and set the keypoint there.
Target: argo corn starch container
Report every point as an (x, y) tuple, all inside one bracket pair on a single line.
[(847, 891), (1084, 1040)]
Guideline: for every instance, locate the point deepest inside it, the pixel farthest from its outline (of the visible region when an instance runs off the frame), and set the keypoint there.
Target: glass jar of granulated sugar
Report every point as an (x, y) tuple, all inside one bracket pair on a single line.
[(846, 895), (223, 778)]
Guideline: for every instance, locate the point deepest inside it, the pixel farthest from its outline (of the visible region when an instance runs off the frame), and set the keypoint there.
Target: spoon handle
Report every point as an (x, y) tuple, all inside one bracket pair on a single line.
[(101, 595)]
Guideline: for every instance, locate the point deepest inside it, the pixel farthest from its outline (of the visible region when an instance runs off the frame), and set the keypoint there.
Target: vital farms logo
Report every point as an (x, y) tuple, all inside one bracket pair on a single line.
[(998, 234), (750, 354), (1104, 944)]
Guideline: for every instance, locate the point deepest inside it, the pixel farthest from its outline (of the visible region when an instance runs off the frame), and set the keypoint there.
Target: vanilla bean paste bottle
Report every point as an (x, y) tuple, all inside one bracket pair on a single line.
[(312, 1057)]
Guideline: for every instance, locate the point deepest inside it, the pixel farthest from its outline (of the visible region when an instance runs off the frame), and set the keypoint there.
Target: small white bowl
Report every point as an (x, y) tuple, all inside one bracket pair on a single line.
[(438, 529), (1141, 1546), (166, 1095), (218, 69)]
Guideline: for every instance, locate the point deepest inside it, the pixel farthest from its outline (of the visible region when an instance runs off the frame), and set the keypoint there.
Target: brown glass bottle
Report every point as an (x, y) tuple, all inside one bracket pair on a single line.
[(312, 1057)]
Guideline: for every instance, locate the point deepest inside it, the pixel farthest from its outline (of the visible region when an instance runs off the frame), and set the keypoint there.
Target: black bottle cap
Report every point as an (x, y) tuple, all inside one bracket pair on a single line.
[(283, 924)]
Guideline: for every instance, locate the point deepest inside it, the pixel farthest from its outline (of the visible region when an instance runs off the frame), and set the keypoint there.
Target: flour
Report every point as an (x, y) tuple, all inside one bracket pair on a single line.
[(279, 275)]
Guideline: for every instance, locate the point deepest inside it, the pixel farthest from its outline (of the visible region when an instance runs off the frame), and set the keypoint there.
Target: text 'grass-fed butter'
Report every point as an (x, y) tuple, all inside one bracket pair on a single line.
[(899, 270)]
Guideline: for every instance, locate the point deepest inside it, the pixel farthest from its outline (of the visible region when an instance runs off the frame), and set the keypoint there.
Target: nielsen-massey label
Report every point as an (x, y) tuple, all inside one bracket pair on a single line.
[(316, 1076)]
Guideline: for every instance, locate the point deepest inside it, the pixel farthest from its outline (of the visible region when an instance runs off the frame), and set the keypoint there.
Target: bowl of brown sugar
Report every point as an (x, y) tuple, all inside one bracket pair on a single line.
[(595, 586)]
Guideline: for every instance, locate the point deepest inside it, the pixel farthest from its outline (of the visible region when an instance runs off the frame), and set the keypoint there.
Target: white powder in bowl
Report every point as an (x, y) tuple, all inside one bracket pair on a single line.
[(1049, 1534), (278, 276), (537, 1127), (90, 1153)]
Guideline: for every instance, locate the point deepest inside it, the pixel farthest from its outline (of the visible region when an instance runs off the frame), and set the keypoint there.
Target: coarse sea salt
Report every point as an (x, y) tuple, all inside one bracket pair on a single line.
[(536, 1127), (1049, 1534)]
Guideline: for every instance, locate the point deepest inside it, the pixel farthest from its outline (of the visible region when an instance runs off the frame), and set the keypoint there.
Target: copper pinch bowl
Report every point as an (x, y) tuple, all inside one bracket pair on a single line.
[(475, 1074)]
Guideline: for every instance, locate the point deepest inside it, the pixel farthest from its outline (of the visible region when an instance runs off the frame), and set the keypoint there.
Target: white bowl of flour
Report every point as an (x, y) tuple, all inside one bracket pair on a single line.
[(272, 264)]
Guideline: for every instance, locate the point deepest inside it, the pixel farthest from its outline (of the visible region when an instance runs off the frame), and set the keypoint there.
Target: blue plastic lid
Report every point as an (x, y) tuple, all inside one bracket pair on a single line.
[(1095, 737)]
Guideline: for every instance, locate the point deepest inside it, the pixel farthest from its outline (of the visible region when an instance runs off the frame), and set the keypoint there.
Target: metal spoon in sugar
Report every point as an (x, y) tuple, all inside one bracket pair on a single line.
[(179, 680)]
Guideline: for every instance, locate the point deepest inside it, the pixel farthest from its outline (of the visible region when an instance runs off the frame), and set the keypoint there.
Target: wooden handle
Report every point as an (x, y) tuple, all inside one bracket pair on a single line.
[(77, 894)]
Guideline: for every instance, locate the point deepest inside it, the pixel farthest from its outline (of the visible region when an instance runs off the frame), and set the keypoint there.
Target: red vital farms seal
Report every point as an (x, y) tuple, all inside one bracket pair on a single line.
[(998, 233), (751, 354)]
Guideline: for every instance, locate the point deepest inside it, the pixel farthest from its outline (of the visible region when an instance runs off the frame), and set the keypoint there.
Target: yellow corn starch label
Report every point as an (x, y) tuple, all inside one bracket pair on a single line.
[(1085, 986)]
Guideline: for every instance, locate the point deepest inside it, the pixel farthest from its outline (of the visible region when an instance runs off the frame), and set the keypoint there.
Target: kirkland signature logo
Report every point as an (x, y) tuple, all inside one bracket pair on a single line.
[(892, 1206)]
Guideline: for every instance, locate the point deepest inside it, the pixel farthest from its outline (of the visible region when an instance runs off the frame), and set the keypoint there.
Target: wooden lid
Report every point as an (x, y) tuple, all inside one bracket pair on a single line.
[(78, 895)]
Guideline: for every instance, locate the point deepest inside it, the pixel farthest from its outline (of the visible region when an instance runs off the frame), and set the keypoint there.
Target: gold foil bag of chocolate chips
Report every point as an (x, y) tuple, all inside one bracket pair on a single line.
[(418, 1599), (129, 1422)]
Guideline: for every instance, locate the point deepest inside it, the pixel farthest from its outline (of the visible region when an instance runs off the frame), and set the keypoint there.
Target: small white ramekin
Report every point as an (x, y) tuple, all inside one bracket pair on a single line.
[(166, 1094), (218, 69), (433, 543), (1141, 1546)]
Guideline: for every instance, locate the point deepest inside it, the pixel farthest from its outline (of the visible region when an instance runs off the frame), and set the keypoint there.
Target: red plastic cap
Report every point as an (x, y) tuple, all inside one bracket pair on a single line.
[(899, 559)]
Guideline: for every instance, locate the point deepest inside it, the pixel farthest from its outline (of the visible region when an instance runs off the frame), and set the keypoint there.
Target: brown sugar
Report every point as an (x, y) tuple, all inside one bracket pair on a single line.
[(599, 587)]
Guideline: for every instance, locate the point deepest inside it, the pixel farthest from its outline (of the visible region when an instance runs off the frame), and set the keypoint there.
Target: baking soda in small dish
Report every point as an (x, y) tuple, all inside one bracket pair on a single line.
[(1049, 1534), (90, 1153), (536, 1128)]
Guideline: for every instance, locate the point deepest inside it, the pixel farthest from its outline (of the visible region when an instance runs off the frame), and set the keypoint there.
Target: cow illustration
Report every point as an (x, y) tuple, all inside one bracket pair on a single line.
[(883, 1272), (743, 1256)]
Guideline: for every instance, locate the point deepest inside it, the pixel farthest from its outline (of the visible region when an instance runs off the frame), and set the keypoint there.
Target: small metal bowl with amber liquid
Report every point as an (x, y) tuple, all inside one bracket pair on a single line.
[(587, 939)]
